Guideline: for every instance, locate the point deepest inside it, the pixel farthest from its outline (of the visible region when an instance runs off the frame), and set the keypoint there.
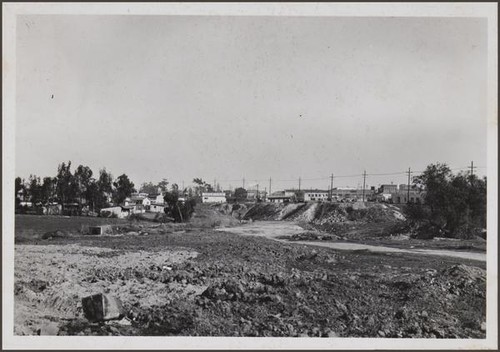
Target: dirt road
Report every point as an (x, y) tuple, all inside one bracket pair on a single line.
[(275, 229)]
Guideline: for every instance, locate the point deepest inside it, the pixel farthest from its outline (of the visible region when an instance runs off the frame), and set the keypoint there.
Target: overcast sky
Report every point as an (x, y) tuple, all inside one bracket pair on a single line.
[(224, 98)]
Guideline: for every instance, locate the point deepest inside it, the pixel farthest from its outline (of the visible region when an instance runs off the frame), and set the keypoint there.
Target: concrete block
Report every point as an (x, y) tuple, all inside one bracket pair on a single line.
[(100, 230), (101, 307)]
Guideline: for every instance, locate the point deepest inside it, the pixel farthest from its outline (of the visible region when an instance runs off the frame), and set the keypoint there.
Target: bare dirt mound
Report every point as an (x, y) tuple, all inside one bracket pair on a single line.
[(321, 213), (51, 280)]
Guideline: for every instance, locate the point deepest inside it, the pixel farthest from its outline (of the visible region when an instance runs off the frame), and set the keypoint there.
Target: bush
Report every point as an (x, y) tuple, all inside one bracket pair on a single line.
[(106, 213), (454, 205), (179, 211), (135, 217)]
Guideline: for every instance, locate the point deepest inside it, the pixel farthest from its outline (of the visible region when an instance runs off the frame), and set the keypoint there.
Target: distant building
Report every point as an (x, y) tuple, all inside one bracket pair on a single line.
[(156, 207), (156, 197), (253, 194), (296, 195), (388, 189), (213, 197), (137, 200), (291, 192), (120, 211), (279, 197), (315, 195), (351, 194), (401, 197)]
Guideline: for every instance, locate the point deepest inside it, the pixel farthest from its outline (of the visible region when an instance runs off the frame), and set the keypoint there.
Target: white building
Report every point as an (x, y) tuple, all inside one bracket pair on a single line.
[(315, 195), (156, 198), (215, 197), (156, 207)]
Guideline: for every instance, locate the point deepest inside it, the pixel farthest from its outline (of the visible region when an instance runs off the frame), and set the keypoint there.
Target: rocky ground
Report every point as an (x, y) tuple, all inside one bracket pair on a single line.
[(365, 223), (195, 281)]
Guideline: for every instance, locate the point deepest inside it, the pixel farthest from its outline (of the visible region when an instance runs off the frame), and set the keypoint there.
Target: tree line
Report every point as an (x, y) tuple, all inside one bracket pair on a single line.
[(454, 204), (97, 191), (81, 186)]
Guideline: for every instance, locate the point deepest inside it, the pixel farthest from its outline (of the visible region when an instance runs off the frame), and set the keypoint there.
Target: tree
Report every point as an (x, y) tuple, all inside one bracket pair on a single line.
[(163, 185), (104, 189), (20, 190), (92, 195), (123, 189), (34, 189), (65, 186), (454, 205), (48, 189), (180, 211), (82, 178), (201, 186), (149, 188), (240, 194)]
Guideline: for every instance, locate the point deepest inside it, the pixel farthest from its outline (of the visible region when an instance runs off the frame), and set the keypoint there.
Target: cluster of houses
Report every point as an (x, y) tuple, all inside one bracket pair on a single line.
[(387, 193), (139, 203)]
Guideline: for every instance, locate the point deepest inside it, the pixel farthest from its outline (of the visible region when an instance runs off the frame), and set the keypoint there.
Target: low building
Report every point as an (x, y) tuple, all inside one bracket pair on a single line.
[(403, 197), (253, 195), (315, 195), (383, 197), (156, 198), (388, 189), (140, 200), (157, 207), (279, 197), (119, 212), (213, 197), (296, 195), (351, 194), (290, 192)]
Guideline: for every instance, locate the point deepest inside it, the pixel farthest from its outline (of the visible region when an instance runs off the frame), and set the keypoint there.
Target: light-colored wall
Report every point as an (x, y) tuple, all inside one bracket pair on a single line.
[(314, 196), (213, 197)]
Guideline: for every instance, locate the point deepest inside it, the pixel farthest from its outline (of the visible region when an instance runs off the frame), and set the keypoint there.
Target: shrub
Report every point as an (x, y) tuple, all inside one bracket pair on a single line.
[(454, 205)]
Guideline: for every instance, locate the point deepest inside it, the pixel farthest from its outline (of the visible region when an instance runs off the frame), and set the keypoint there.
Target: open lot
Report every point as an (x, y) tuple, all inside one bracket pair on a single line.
[(192, 280)]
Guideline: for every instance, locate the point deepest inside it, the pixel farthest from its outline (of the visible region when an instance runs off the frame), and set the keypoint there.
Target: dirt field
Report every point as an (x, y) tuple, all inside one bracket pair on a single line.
[(196, 281)]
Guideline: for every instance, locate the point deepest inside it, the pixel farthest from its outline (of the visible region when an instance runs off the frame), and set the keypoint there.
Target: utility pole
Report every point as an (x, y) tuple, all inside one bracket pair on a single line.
[(331, 187), (408, 190), (299, 183), (269, 185), (243, 182), (215, 185), (364, 182), (472, 167), (257, 195)]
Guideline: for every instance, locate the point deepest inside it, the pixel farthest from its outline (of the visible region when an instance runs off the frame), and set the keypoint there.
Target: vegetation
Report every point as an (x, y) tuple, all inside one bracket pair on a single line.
[(78, 187), (151, 188), (240, 194), (123, 189), (454, 205), (201, 186), (180, 211)]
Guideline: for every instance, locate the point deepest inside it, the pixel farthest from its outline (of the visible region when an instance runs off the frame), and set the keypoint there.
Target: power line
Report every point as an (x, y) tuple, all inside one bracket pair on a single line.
[(364, 179), (364, 174), (408, 190)]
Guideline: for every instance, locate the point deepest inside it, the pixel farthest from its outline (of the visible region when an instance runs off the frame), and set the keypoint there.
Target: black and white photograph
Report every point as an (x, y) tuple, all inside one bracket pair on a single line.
[(250, 175)]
